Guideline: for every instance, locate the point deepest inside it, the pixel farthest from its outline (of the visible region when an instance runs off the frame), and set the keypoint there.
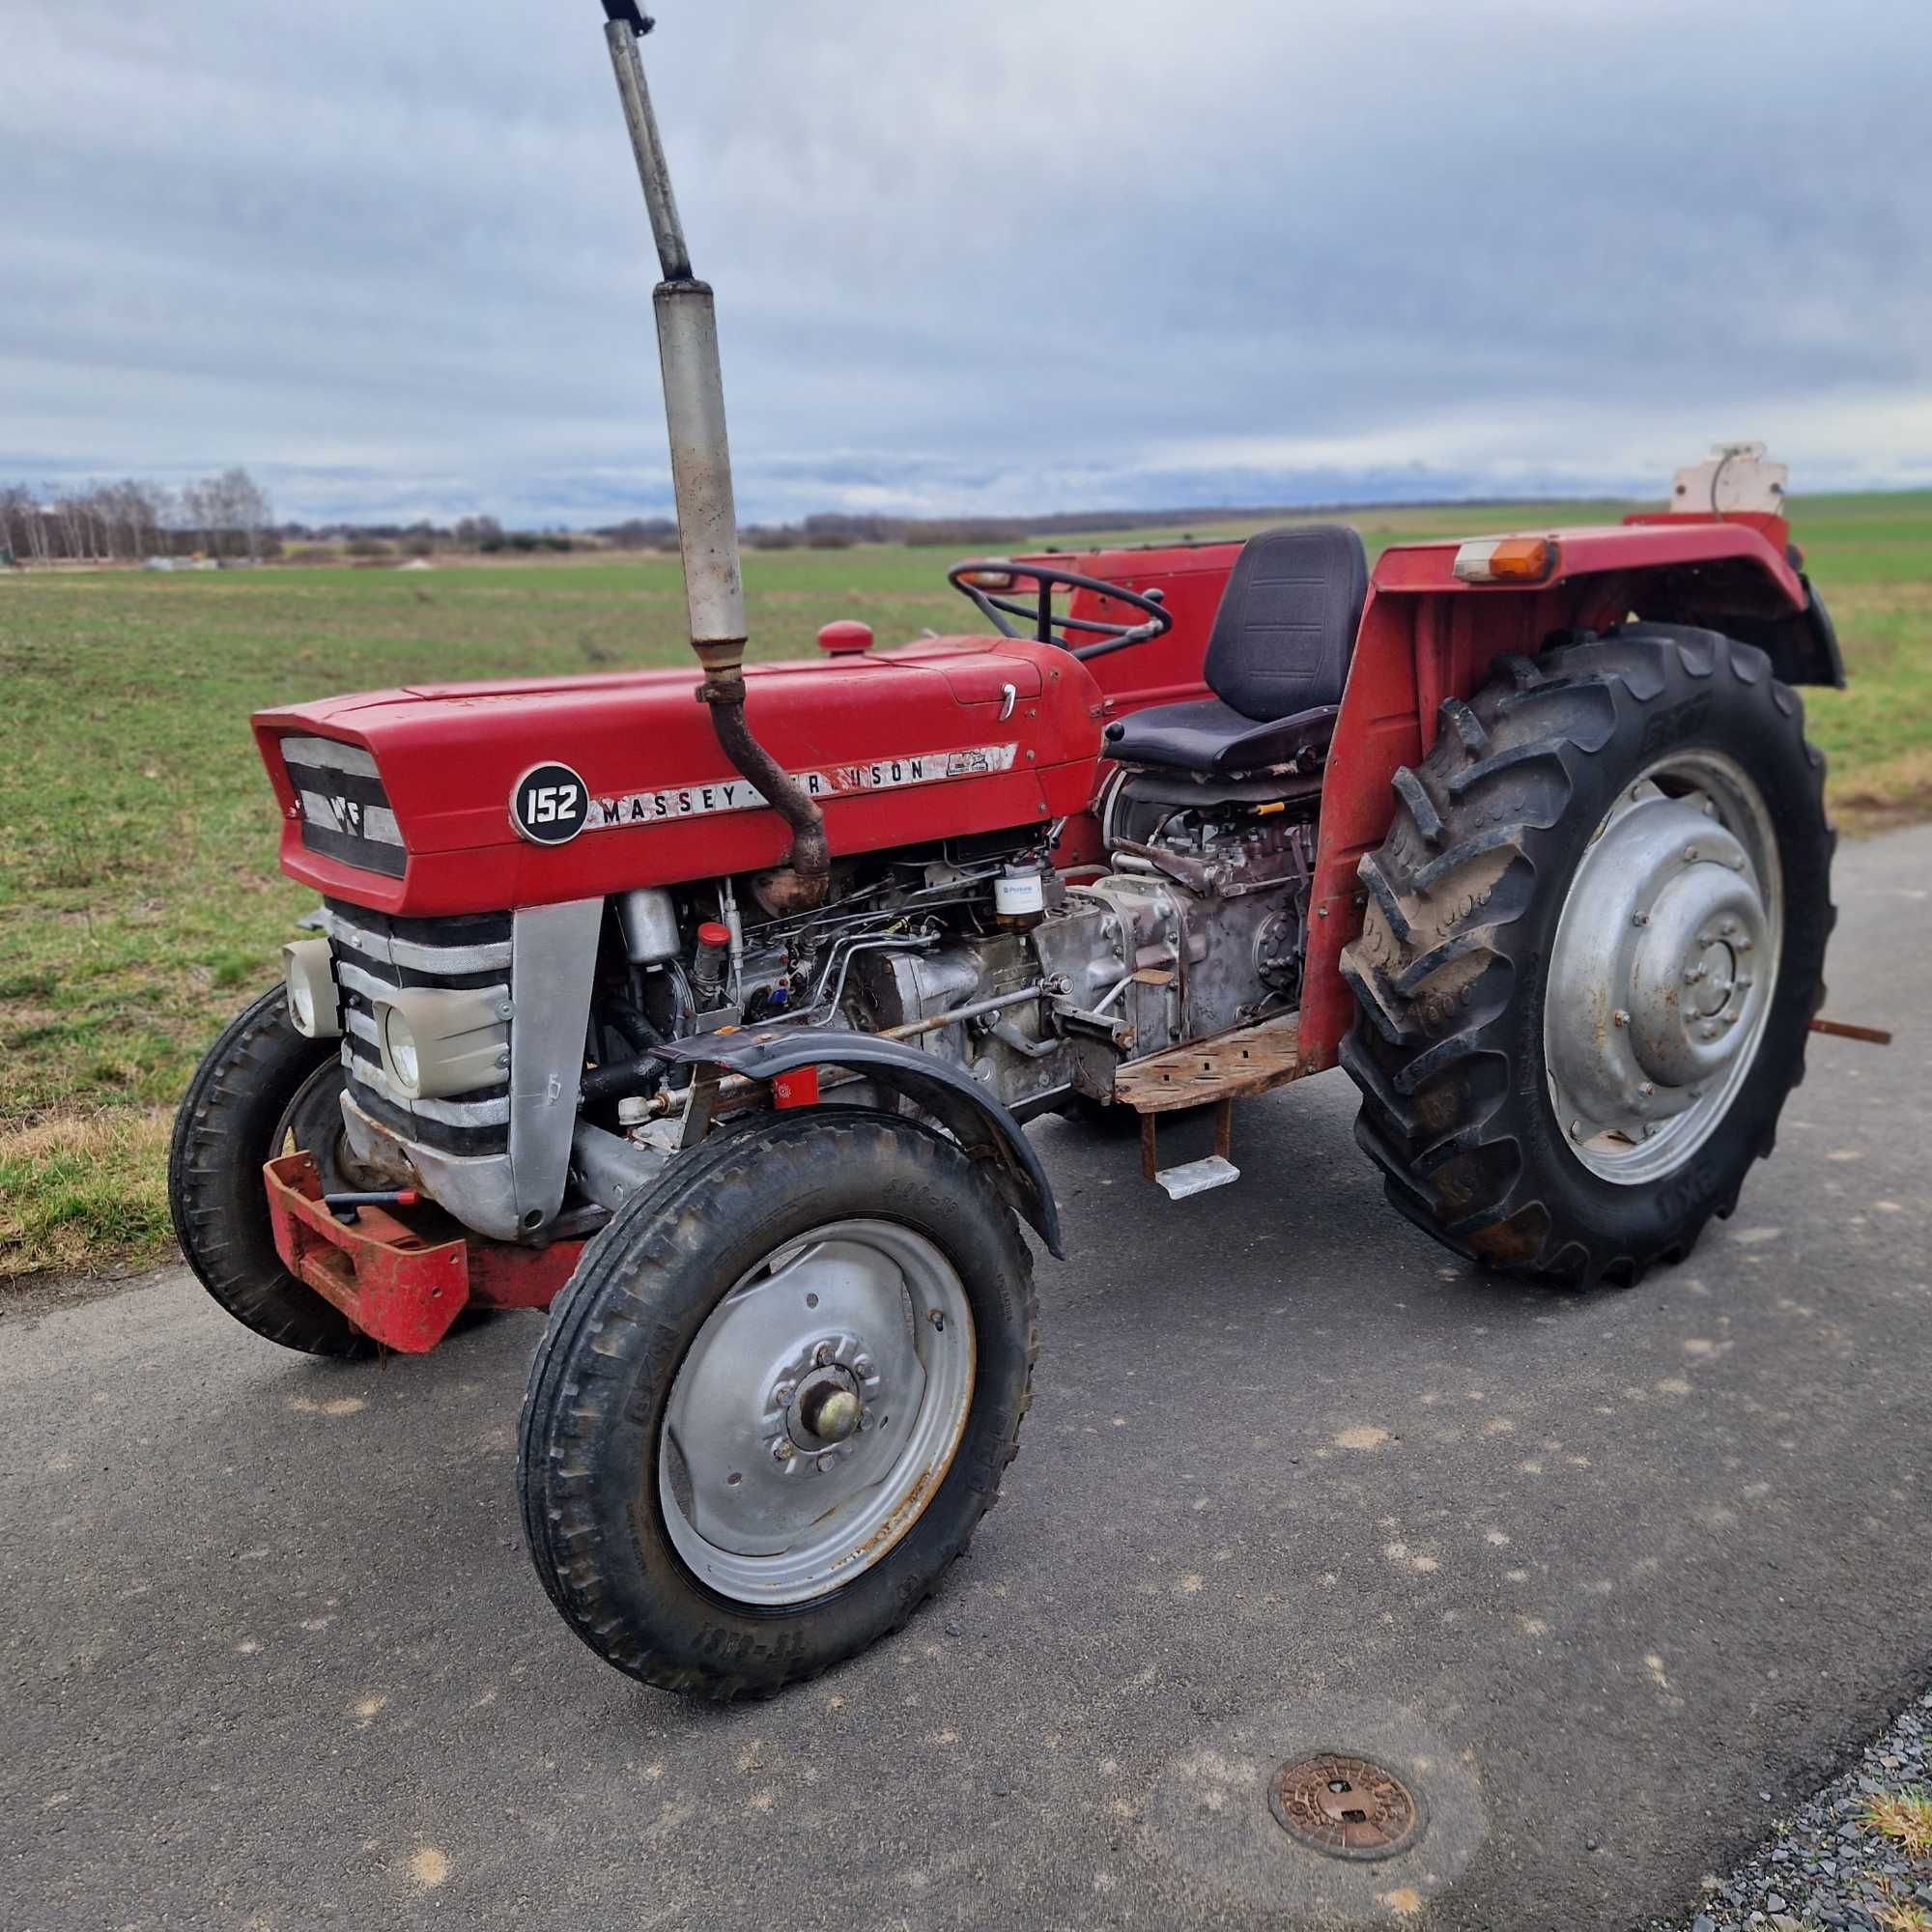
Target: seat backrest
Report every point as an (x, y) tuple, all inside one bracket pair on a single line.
[(1286, 629)]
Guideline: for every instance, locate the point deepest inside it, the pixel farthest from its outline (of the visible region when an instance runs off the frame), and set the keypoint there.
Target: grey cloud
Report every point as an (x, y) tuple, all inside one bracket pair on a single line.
[(1070, 253)]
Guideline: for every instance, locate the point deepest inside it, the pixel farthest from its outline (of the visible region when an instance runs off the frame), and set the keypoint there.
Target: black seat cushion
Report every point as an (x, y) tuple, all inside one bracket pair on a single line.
[(1209, 736), (1277, 661), (1286, 629)]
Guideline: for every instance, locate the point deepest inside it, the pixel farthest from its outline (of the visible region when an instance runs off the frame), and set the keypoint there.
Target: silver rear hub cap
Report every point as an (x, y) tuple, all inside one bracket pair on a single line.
[(1665, 961), (817, 1413)]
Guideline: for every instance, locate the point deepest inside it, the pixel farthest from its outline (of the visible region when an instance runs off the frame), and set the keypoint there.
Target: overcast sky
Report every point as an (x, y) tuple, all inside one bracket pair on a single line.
[(1037, 255)]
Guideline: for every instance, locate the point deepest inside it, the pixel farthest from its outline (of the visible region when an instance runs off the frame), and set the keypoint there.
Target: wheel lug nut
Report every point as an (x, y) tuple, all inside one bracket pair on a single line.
[(1647, 1089), (782, 1395), (1620, 1018), (784, 1453), (822, 1354)]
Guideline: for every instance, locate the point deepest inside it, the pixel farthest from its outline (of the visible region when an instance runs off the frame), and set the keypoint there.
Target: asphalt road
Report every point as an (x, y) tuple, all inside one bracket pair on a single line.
[(1601, 1573)]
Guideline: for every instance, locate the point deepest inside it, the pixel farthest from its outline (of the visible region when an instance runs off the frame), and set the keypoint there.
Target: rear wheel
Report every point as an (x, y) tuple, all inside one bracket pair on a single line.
[(774, 1400), (1591, 953), (264, 1090)]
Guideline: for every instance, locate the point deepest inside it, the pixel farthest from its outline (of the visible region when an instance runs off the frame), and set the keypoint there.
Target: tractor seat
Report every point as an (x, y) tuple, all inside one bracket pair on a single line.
[(1277, 661)]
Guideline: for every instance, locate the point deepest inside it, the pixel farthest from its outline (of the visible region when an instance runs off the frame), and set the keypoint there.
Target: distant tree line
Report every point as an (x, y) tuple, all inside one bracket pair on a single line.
[(832, 531), (224, 515), (229, 516)]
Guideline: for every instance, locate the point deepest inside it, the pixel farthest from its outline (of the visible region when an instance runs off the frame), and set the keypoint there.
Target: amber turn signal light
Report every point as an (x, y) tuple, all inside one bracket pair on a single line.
[(1507, 560)]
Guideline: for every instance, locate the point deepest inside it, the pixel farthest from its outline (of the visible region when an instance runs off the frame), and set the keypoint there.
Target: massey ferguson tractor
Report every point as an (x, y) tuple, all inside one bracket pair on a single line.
[(709, 1013)]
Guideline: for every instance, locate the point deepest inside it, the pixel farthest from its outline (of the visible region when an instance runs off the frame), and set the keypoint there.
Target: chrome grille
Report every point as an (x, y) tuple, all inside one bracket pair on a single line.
[(344, 809), (377, 954)]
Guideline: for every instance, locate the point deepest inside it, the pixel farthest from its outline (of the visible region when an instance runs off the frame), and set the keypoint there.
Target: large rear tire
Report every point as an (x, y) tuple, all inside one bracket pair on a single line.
[(1591, 953), (774, 1400), (263, 1088)]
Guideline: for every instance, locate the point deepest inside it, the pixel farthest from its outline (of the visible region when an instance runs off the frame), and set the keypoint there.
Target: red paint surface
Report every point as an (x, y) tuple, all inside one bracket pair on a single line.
[(1427, 635), (450, 754), (799, 1089), (402, 1288)]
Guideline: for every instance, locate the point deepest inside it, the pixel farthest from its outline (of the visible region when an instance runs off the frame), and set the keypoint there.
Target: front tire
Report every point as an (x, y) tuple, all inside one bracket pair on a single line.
[(1591, 953), (774, 1400), (261, 1087)]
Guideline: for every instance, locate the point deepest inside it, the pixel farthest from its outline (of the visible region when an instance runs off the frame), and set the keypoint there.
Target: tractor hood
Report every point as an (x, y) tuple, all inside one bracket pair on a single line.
[(438, 799)]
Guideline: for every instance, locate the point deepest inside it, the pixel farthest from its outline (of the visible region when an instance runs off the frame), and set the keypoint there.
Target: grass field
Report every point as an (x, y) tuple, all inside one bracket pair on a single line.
[(140, 903)]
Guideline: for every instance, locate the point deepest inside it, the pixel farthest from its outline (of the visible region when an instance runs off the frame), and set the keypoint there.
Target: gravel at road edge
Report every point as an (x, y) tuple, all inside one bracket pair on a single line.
[(1826, 1869)]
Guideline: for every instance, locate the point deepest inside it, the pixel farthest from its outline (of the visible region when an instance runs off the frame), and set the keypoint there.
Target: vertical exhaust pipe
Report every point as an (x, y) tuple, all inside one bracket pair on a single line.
[(700, 467)]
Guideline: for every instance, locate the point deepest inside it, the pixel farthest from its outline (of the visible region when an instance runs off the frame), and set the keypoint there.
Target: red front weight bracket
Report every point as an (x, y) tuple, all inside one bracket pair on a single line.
[(401, 1284)]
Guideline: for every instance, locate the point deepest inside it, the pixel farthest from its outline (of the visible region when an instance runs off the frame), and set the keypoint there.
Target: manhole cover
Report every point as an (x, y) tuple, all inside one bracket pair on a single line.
[(1345, 1807)]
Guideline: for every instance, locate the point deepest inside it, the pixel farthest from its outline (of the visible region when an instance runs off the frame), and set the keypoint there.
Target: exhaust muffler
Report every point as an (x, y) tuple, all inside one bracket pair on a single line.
[(700, 467)]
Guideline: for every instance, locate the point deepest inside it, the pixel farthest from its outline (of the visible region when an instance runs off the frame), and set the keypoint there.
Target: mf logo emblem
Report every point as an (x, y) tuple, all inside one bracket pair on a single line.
[(347, 815)]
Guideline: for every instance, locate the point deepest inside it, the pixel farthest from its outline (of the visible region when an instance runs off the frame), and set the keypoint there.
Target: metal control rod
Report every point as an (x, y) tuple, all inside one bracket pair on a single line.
[(700, 467)]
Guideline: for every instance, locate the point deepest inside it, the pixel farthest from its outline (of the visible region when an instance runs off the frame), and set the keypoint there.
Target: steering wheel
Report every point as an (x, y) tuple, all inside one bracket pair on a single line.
[(980, 581)]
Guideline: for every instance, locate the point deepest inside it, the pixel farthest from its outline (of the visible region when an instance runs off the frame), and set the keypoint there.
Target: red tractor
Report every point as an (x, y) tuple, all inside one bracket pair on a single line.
[(709, 1019)]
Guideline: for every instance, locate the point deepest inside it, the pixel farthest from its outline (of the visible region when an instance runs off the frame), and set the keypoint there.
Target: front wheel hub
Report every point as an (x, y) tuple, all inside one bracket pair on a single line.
[(828, 1409), (1664, 966), (817, 1409)]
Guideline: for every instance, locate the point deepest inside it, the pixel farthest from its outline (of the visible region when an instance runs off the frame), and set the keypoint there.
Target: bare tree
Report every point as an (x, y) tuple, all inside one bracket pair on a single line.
[(224, 515), (40, 531), (66, 519), (95, 524), (245, 508), (122, 503), (17, 509), (198, 509), (158, 514)]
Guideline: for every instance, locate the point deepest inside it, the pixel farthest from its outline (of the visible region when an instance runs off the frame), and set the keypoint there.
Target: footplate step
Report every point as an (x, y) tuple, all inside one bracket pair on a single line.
[(1196, 1177), (1191, 1176)]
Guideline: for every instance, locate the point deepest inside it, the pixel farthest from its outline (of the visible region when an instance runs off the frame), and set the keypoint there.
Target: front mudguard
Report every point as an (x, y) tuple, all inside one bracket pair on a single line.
[(976, 1121)]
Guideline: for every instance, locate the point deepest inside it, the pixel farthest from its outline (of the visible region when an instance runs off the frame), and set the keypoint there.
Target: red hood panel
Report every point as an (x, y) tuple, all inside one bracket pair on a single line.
[(892, 743)]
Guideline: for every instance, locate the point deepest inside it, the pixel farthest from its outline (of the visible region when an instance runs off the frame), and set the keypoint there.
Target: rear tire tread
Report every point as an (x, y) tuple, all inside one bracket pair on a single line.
[(1444, 952)]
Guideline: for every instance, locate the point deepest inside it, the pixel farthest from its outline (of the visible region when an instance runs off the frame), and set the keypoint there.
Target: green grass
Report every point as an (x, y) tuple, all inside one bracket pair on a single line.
[(139, 900)]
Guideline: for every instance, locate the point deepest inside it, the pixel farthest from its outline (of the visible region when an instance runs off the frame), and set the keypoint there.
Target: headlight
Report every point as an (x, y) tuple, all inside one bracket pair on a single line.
[(314, 1005), (398, 1052), (437, 1043)]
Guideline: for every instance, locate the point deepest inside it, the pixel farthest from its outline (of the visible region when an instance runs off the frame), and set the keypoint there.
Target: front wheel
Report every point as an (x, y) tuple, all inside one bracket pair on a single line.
[(262, 1089), (1591, 953), (774, 1400)]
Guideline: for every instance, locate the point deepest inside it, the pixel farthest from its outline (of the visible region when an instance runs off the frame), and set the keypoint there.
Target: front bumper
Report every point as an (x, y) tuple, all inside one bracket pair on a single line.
[(401, 1279)]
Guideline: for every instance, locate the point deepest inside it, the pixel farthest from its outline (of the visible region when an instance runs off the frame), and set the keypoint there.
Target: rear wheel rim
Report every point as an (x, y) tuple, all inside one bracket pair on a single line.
[(1663, 968), (815, 1415)]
